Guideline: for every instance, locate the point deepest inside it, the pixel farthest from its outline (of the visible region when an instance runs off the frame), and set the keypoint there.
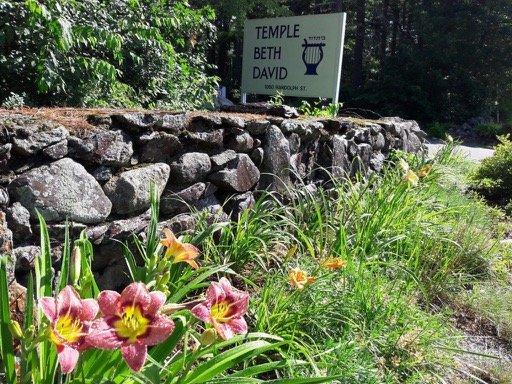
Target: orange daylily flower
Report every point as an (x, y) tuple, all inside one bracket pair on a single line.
[(178, 251), (424, 171), (299, 278), (334, 263)]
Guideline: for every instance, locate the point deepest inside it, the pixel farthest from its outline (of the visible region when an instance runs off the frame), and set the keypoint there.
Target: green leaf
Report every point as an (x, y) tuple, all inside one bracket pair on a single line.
[(6, 345)]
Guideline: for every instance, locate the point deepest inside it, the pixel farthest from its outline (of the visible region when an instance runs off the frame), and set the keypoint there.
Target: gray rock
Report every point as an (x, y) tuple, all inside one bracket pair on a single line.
[(377, 162), (179, 224), (107, 238), (57, 151), (289, 126), (257, 156), (135, 121), (240, 176), (294, 140), (130, 190), (243, 142), (205, 123), (158, 147), (4, 197), (103, 147), (212, 209), (190, 168), (172, 123), (206, 140), (276, 161), (361, 162), (115, 276), (222, 159), (334, 156), (378, 141), (174, 202), (25, 257), (28, 141), (257, 127), (239, 203), (412, 143), (5, 154), (5, 235), (102, 173), (60, 190), (233, 121), (18, 221)]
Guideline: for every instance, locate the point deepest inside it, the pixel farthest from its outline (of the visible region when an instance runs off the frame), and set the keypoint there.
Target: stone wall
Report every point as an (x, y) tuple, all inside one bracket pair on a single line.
[(97, 174)]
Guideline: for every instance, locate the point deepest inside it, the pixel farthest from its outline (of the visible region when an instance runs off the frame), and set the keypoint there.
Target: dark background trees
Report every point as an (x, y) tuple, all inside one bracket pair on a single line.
[(431, 60)]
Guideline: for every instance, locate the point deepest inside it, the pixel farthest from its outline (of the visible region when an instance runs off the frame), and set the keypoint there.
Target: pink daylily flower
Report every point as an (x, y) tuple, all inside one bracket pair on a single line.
[(70, 319), (131, 321), (224, 309)]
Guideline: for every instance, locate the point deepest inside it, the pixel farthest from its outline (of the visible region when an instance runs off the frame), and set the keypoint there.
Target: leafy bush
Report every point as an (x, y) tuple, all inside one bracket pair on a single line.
[(14, 101), (490, 130), (493, 177), (438, 129), (92, 53)]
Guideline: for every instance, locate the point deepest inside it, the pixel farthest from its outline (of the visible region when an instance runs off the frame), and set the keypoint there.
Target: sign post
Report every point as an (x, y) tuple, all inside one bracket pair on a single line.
[(297, 56)]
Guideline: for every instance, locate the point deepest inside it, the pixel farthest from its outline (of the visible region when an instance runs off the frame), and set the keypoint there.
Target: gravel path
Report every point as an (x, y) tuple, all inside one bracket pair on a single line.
[(473, 153)]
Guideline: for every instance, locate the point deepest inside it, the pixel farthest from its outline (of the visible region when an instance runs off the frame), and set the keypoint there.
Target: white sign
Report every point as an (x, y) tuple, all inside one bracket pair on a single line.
[(298, 56)]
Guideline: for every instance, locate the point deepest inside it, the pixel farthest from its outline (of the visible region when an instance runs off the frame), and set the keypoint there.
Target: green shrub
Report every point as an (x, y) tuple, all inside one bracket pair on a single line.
[(490, 130), (438, 129), (97, 53), (493, 178)]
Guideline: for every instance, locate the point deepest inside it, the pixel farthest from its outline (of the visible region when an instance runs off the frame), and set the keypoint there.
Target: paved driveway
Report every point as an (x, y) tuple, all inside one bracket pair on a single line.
[(472, 153)]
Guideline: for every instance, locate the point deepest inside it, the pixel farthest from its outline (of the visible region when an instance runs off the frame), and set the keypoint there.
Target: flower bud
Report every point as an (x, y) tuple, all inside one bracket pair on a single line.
[(15, 329), (208, 337), (76, 264)]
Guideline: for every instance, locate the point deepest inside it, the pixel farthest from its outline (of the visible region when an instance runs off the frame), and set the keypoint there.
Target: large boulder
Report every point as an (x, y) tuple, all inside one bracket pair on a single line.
[(107, 147), (190, 168), (240, 175), (61, 190), (130, 190)]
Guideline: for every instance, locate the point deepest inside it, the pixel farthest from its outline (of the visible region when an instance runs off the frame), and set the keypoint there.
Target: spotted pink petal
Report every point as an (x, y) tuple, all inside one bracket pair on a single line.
[(68, 357), (136, 294), (159, 329), (68, 302), (157, 300), (90, 309), (215, 293), (135, 355), (224, 330), (49, 308), (201, 312), (102, 335), (239, 308), (238, 325), (108, 302)]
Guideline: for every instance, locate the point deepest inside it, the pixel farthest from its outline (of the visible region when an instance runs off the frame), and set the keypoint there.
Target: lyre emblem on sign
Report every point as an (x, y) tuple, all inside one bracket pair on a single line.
[(312, 56)]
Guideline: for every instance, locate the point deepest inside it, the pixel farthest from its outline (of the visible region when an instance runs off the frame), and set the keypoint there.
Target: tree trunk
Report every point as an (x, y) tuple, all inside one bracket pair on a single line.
[(358, 78), (384, 34)]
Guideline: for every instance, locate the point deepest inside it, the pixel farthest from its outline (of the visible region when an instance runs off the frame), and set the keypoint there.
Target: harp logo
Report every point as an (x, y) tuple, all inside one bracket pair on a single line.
[(312, 56)]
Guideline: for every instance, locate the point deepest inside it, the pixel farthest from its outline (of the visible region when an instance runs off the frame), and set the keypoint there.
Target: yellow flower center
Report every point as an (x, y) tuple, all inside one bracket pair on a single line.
[(66, 330), (131, 324), (220, 311)]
